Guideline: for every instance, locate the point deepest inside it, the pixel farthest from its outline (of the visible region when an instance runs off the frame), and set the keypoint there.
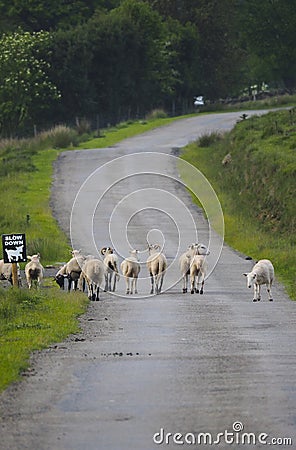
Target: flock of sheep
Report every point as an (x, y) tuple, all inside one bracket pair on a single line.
[(93, 271), (81, 271)]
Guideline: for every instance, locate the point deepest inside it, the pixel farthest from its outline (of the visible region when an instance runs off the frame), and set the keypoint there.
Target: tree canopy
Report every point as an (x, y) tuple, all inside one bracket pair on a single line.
[(121, 58)]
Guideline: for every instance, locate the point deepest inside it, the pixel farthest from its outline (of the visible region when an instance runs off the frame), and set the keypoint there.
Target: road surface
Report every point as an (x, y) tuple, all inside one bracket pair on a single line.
[(161, 371)]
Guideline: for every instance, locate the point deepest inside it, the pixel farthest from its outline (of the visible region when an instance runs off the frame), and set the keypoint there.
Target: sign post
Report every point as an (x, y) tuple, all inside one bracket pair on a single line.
[(14, 252)]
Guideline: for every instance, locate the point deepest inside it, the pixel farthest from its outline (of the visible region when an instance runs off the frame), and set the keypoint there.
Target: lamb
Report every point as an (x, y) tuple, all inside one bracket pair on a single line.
[(73, 268), (185, 261), (156, 264), (111, 268), (198, 269), (262, 273), (130, 268), (6, 272), (93, 272), (34, 271)]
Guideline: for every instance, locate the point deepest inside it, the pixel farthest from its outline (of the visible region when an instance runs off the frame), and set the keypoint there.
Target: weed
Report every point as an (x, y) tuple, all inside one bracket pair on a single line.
[(206, 140)]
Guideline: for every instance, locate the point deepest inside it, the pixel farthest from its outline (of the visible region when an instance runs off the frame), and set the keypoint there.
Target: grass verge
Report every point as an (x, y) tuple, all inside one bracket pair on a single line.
[(256, 187), (32, 321)]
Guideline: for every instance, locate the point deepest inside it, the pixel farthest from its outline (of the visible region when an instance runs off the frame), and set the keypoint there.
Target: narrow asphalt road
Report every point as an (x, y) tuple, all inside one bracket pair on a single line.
[(146, 372)]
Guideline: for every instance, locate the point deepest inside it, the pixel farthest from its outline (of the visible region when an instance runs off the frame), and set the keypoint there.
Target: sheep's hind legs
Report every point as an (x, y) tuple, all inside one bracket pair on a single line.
[(269, 294)]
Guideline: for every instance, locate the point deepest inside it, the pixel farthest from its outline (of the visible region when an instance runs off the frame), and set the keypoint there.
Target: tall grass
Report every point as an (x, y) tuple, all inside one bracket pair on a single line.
[(257, 188), (32, 320)]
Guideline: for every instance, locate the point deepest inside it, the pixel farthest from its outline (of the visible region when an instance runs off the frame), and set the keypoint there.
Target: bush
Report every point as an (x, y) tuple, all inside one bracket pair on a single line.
[(206, 140), (60, 136), (156, 114)]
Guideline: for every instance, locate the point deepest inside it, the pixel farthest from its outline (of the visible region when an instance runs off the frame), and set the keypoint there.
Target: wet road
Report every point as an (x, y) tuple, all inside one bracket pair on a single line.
[(167, 370)]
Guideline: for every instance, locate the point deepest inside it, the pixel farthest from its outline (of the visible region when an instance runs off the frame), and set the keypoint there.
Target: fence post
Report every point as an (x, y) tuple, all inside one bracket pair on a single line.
[(14, 275)]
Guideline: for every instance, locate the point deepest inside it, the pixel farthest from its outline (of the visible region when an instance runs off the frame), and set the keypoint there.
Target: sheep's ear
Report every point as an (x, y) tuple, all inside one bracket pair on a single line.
[(29, 257), (103, 250), (245, 274)]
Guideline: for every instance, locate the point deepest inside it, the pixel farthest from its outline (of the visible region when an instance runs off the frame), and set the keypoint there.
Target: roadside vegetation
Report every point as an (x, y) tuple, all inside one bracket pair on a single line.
[(262, 167), (32, 320), (26, 174), (256, 187)]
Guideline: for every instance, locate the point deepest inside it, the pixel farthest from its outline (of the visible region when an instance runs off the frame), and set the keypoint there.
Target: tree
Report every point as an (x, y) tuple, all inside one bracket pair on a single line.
[(269, 39), (25, 89), (217, 27), (129, 70), (37, 15)]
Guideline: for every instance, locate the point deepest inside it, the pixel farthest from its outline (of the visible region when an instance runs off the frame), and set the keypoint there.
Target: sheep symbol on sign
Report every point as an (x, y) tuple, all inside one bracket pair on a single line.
[(14, 248), (16, 254)]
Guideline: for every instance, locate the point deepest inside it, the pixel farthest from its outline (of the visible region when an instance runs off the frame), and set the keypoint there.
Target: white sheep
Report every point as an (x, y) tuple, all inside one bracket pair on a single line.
[(93, 272), (74, 267), (185, 261), (262, 273), (6, 272), (130, 268), (111, 268), (156, 264), (34, 271), (198, 268)]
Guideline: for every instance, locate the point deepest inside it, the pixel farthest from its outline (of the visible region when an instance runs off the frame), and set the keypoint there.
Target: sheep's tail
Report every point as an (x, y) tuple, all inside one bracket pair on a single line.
[(34, 273)]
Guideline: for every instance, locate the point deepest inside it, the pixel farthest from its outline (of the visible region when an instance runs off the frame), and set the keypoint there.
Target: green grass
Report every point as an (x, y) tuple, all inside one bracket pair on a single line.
[(257, 188), (32, 320), (113, 135)]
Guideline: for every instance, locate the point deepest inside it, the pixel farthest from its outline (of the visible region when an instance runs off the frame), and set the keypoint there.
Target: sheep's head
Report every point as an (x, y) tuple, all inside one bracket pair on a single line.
[(34, 258), (60, 280), (251, 278), (202, 249), (75, 253), (106, 250), (135, 254), (152, 248)]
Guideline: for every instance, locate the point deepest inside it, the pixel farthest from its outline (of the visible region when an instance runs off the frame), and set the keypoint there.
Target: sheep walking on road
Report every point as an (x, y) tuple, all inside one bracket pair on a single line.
[(111, 268), (262, 273), (93, 271), (73, 268), (156, 264), (130, 269), (186, 259), (34, 271), (198, 269)]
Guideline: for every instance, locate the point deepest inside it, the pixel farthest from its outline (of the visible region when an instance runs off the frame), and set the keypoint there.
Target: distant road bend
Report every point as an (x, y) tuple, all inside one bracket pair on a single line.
[(157, 371)]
